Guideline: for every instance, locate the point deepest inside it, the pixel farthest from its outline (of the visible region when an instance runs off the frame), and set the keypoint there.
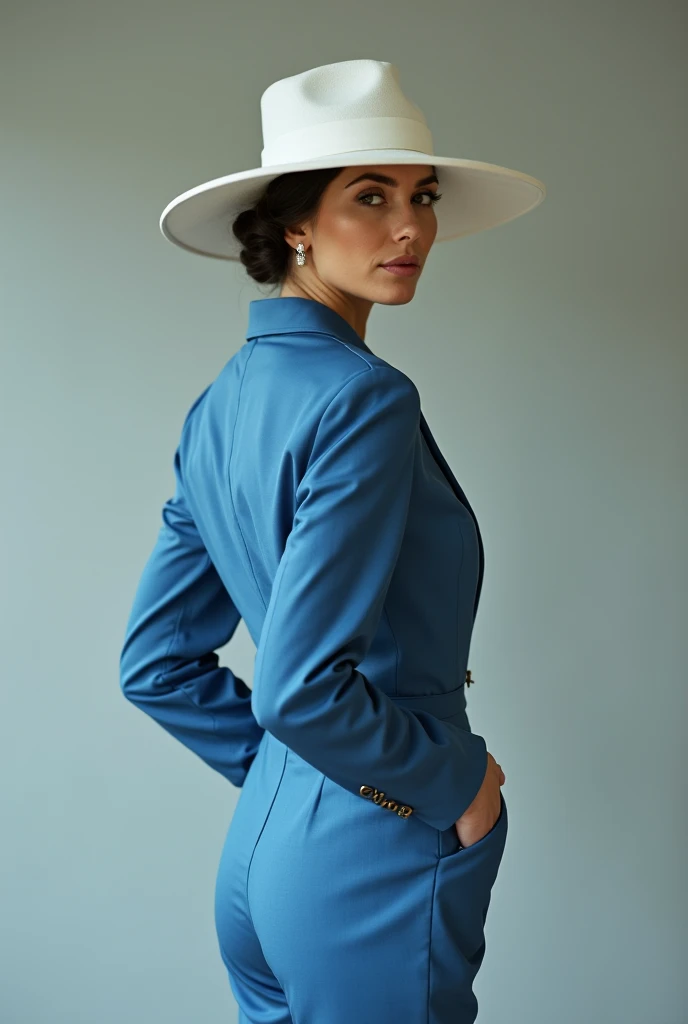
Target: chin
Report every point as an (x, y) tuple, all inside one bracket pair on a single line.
[(398, 300)]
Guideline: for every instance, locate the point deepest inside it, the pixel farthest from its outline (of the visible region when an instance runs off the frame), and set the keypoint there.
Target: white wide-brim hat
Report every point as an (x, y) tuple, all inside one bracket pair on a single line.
[(346, 114)]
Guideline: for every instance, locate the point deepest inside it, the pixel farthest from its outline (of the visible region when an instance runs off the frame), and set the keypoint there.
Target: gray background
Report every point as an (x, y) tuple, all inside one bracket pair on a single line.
[(551, 360)]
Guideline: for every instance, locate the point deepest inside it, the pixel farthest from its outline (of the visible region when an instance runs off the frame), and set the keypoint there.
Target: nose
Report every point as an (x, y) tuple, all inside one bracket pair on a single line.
[(409, 229), (407, 222)]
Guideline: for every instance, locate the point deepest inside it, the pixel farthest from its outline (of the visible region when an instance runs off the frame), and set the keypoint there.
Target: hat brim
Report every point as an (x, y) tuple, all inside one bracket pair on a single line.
[(475, 196)]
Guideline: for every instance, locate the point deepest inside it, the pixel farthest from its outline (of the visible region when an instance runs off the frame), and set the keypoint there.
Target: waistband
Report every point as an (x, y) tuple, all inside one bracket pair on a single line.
[(441, 705)]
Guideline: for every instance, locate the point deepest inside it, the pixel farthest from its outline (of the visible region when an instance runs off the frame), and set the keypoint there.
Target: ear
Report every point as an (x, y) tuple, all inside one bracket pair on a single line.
[(293, 236)]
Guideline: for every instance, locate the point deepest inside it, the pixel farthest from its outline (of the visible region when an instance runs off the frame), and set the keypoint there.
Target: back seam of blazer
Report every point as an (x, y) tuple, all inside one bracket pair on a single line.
[(229, 483), (396, 647)]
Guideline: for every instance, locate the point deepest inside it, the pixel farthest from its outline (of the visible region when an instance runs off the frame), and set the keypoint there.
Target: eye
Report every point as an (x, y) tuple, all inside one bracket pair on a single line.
[(432, 196), (370, 195)]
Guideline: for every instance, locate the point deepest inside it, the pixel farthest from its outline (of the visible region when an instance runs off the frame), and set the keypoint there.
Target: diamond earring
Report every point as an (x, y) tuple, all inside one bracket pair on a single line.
[(300, 254)]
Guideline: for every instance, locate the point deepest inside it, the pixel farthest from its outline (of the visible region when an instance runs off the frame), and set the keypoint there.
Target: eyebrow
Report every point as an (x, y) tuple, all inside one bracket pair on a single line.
[(385, 180)]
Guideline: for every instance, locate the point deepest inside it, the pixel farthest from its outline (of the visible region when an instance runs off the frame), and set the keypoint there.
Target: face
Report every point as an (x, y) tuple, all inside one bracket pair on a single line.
[(367, 216)]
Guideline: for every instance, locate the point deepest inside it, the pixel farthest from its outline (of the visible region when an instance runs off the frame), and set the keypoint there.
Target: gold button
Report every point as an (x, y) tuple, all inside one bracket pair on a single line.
[(378, 797)]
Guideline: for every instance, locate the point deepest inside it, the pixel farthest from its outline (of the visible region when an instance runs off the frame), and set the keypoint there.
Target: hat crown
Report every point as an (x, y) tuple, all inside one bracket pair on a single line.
[(339, 108)]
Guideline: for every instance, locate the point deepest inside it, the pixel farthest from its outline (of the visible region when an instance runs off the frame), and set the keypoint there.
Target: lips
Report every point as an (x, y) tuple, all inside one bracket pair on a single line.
[(402, 270), (402, 261)]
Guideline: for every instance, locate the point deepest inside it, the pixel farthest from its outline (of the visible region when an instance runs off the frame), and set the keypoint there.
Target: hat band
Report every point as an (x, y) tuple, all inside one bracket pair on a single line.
[(331, 138)]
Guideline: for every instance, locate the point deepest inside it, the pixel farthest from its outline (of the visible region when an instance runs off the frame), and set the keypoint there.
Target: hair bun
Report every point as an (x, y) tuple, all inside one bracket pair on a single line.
[(287, 200)]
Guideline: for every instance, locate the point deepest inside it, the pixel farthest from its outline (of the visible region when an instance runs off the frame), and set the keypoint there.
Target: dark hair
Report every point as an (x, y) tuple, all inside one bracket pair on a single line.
[(287, 200)]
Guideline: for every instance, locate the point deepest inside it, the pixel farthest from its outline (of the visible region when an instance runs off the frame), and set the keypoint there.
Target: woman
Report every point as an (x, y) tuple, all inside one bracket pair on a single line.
[(313, 502)]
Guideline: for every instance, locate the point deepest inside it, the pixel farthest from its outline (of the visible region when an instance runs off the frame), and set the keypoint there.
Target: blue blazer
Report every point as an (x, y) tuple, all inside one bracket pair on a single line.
[(312, 501)]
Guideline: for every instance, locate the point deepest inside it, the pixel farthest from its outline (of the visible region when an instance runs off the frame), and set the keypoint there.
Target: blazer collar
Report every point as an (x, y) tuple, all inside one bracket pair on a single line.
[(291, 314)]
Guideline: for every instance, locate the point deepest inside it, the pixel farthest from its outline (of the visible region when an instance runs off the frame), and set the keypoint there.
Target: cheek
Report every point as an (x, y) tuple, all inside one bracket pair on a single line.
[(430, 232), (357, 227), (353, 226), (351, 235)]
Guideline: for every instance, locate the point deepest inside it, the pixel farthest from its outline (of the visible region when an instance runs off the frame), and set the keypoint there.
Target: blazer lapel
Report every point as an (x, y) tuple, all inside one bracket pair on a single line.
[(458, 491)]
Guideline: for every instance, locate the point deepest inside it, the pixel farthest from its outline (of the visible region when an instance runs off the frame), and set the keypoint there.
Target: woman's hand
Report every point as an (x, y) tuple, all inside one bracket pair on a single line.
[(478, 819)]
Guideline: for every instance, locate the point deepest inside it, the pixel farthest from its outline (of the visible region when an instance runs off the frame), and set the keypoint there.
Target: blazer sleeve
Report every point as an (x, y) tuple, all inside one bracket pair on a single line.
[(327, 600), (181, 614)]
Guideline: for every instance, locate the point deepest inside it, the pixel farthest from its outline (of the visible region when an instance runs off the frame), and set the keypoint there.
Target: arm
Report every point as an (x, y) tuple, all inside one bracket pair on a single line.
[(181, 614), (326, 602)]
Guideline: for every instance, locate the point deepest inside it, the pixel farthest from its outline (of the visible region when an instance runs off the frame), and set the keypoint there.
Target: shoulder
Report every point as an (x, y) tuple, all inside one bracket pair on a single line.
[(299, 378), (293, 399), (372, 386)]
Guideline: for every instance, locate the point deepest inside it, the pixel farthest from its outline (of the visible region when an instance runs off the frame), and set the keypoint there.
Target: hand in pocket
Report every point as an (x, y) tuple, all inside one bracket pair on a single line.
[(481, 816)]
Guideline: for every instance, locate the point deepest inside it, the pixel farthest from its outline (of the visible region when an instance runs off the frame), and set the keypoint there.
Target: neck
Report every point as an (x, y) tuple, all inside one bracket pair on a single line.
[(353, 309)]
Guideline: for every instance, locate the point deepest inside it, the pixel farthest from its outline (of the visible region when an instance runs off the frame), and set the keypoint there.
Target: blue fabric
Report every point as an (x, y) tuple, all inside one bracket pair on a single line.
[(312, 501)]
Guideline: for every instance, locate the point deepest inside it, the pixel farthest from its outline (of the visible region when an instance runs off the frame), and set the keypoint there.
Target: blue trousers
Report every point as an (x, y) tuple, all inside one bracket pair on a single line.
[(330, 909)]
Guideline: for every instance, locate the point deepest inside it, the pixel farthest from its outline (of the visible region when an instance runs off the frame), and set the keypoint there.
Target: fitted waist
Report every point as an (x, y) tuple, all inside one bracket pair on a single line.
[(441, 705), (449, 706)]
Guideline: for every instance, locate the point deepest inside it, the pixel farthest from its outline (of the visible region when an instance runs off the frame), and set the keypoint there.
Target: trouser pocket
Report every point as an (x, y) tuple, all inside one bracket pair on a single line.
[(449, 845), (463, 889)]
